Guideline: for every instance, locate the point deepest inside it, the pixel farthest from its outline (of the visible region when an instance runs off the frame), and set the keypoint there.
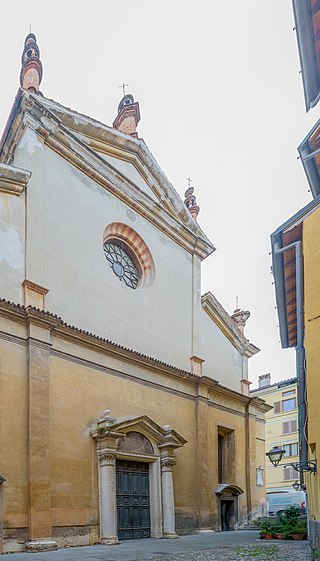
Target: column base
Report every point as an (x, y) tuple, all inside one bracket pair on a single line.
[(45, 544), (110, 541), (170, 535)]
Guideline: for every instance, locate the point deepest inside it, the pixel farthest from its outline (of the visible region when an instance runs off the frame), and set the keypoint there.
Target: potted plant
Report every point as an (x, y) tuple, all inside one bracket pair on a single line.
[(299, 530), (267, 530), (287, 521)]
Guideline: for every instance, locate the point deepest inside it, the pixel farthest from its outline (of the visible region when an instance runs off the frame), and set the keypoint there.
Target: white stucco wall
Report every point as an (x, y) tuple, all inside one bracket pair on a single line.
[(222, 360), (130, 172), (67, 214), (11, 246)]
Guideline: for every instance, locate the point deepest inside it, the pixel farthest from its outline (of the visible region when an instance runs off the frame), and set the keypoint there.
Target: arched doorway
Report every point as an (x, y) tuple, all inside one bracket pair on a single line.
[(135, 459), (227, 496)]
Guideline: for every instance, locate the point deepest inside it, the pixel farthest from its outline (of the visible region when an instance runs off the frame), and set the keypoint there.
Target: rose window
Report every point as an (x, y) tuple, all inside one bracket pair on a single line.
[(122, 262)]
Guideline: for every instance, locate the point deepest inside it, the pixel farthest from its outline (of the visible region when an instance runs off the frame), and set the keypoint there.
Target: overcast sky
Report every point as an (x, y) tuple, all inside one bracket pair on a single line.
[(221, 101)]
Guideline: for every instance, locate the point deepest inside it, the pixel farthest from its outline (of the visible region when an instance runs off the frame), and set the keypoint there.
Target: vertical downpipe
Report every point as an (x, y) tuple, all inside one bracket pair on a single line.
[(300, 356)]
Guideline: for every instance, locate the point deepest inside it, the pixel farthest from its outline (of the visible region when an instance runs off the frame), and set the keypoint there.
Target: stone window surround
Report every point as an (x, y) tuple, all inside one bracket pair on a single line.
[(136, 244)]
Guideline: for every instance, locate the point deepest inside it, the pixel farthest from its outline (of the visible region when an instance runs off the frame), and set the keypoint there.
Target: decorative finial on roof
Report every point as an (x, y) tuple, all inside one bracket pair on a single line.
[(31, 71), (128, 115), (240, 317), (190, 201)]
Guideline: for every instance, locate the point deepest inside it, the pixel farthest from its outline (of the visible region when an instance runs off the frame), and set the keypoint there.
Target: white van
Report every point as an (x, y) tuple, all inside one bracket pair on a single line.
[(277, 502)]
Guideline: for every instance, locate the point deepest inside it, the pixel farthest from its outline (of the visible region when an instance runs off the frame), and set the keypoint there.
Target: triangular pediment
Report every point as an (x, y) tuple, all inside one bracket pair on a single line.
[(129, 156), (163, 436), (118, 162)]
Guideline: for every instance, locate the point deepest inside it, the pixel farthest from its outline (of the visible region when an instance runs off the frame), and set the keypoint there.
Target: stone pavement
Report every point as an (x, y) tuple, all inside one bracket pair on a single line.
[(222, 546)]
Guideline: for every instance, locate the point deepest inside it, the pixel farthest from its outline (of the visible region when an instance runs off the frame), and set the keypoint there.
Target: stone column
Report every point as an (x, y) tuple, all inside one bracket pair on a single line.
[(108, 518), (169, 530)]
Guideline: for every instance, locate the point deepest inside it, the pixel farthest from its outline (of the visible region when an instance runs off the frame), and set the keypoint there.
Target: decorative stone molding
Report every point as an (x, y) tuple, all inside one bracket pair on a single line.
[(196, 365), (139, 439), (13, 180), (167, 464), (34, 294), (123, 232), (240, 318), (245, 386), (2, 479), (107, 459), (227, 325)]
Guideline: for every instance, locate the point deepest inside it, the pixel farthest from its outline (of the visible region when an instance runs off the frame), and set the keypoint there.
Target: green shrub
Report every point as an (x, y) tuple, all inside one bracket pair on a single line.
[(268, 527), (290, 522)]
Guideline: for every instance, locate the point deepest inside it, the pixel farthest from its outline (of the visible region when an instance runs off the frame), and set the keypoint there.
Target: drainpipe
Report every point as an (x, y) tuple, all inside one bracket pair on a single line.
[(300, 352)]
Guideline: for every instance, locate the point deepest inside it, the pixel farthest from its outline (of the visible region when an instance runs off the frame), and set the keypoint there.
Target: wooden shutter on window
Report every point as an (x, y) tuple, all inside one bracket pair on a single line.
[(294, 425), (285, 427), (289, 426), (290, 473)]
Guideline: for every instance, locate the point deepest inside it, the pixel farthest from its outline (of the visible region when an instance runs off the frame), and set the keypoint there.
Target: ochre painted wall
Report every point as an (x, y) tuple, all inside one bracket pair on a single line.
[(81, 382), (311, 253)]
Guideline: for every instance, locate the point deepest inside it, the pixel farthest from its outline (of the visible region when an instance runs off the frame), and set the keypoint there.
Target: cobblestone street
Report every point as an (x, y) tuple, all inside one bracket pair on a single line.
[(222, 546), (289, 551)]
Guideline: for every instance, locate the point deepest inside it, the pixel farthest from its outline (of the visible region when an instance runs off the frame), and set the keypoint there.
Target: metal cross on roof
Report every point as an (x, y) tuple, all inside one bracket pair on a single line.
[(189, 181), (124, 86)]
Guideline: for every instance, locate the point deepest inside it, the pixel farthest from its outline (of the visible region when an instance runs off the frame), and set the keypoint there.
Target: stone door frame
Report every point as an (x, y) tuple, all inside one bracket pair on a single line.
[(228, 492), (164, 441), (155, 492)]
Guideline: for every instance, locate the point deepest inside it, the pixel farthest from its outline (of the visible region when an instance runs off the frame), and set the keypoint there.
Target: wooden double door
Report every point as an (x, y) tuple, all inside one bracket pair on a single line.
[(133, 500)]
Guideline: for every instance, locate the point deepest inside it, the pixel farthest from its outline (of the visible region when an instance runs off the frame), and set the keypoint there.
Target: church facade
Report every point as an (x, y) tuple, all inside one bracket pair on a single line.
[(125, 408)]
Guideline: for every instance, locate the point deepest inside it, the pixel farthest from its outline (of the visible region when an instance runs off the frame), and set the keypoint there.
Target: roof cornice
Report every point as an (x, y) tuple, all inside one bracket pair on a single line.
[(221, 318), (47, 320), (13, 181)]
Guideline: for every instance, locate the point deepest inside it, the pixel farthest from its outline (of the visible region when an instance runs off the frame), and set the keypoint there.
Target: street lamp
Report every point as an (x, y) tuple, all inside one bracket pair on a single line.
[(296, 485), (275, 456)]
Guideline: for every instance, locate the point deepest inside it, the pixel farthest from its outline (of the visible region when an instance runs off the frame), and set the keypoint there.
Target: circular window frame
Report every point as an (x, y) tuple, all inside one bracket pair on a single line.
[(127, 250), (136, 248)]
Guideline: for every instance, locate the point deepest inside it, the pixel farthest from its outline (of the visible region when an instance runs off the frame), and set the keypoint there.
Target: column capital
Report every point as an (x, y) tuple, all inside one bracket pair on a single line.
[(107, 458), (167, 464)]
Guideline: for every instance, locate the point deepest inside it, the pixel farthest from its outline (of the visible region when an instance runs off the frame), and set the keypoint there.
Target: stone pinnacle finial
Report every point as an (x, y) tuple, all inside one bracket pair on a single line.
[(190, 201), (31, 71), (128, 115), (240, 318)]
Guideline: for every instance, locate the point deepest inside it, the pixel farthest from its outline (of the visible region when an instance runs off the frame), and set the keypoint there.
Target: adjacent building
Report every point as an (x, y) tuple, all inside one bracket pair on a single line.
[(281, 429), (125, 407), (296, 266)]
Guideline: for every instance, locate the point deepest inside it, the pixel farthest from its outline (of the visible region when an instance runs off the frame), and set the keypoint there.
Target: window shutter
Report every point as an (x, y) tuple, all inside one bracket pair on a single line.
[(289, 426), (294, 425), (285, 427), (277, 407), (290, 473)]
